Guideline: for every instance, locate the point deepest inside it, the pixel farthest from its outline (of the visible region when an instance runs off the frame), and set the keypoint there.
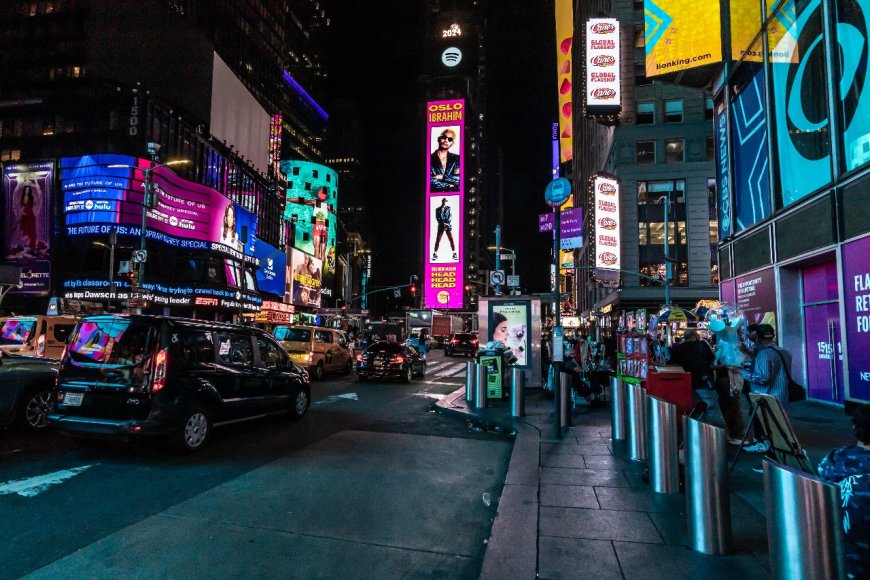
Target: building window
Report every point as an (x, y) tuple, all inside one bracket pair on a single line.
[(640, 78), (711, 148), (674, 150), (645, 152), (639, 41), (637, 4), (708, 108), (646, 113), (674, 111)]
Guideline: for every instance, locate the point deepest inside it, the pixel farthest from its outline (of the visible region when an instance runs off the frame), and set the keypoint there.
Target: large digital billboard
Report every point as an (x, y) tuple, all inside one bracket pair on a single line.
[(312, 200), (305, 272), (27, 193), (564, 64), (680, 35), (271, 274), (105, 192), (443, 219), (607, 249), (602, 67)]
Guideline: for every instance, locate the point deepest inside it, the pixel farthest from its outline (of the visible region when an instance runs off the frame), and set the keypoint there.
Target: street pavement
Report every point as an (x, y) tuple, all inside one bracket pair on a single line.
[(576, 506)]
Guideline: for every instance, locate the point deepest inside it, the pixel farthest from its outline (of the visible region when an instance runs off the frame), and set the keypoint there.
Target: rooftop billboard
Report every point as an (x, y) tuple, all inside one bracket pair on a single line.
[(681, 35)]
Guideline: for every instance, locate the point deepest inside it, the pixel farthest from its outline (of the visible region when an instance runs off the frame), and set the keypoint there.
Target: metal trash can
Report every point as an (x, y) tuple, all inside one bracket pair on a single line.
[(664, 463), (617, 409), (804, 524), (637, 430), (470, 380), (480, 386), (707, 501), (518, 395)]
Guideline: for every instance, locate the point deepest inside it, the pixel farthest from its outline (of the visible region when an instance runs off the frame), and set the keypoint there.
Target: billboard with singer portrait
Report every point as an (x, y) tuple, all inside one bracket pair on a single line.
[(27, 192)]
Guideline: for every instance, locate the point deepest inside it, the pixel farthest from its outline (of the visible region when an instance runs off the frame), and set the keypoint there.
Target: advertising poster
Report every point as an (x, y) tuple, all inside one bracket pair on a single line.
[(727, 293), (607, 250), (751, 167), (602, 67), (755, 296), (27, 192), (856, 297), (680, 35), (723, 169), (509, 323), (273, 268), (312, 199), (306, 273), (564, 40), (443, 277), (856, 85)]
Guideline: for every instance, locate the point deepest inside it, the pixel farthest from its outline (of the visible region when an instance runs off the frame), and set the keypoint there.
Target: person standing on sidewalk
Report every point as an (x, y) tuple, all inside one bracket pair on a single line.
[(849, 468), (696, 358)]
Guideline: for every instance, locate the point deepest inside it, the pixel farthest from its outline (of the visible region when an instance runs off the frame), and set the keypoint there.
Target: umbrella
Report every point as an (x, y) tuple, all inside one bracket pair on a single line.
[(672, 313)]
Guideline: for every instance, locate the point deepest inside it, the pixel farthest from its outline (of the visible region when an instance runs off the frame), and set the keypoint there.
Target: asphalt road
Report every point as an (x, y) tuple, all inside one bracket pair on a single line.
[(371, 483)]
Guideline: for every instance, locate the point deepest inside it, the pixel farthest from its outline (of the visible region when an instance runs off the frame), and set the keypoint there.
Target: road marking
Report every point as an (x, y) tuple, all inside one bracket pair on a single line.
[(442, 383), (335, 398), (429, 395), (33, 486)]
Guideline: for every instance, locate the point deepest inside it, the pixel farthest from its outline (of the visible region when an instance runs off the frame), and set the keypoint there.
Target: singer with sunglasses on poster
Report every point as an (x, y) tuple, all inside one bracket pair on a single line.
[(444, 172)]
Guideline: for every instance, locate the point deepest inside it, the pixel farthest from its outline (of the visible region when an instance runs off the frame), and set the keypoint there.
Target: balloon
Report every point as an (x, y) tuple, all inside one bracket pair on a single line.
[(724, 321)]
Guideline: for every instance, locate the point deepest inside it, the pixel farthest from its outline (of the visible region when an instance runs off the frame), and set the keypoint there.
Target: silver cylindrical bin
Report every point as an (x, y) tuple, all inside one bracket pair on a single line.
[(480, 387), (637, 430), (470, 380), (707, 501), (804, 525), (565, 399), (617, 409), (664, 464), (518, 395)]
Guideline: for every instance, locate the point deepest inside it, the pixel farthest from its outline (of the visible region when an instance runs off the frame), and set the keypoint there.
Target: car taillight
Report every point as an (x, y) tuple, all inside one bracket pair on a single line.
[(40, 345), (397, 359), (160, 364), (473, 341), (360, 358), (454, 341)]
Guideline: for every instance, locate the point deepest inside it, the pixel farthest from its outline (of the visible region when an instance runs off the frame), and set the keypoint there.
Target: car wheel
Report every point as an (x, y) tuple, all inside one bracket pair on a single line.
[(194, 432), (423, 371), (407, 375), (317, 372), (348, 368), (301, 402), (34, 411)]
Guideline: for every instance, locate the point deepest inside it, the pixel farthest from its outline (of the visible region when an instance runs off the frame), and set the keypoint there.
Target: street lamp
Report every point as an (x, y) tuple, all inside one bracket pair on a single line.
[(513, 256), (148, 199)]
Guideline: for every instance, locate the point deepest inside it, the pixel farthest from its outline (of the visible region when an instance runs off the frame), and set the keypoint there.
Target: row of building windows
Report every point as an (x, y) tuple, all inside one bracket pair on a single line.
[(672, 111), (675, 151)]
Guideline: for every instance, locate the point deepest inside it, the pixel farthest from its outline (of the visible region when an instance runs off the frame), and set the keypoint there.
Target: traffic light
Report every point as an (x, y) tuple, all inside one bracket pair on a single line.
[(413, 289), (133, 276)]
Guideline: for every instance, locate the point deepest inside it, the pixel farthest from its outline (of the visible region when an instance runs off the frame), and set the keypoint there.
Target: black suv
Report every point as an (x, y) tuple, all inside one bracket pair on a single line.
[(128, 376), (464, 343), (390, 360), (26, 383)]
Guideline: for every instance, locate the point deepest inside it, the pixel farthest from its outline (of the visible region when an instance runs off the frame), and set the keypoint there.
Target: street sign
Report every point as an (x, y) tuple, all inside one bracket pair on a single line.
[(557, 192), (513, 281), (506, 256), (139, 256), (496, 277)]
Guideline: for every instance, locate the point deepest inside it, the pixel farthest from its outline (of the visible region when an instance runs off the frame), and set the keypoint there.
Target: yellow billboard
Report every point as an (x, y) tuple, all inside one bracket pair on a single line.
[(564, 40), (746, 23), (680, 35)]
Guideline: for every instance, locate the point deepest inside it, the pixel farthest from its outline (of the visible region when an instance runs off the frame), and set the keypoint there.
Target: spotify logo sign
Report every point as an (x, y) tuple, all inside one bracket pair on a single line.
[(451, 56)]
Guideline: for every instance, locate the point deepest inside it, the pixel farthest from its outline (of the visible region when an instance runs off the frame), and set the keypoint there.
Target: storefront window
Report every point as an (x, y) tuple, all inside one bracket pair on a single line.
[(800, 95), (853, 18)]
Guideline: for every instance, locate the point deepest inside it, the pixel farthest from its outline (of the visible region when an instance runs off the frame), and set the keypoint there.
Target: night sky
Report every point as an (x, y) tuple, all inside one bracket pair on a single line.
[(375, 58)]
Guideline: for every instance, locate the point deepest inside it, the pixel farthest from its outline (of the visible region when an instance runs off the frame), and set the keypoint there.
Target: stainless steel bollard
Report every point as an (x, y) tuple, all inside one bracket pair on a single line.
[(664, 463), (804, 524), (565, 399), (617, 409), (518, 395), (637, 431), (707, 501), (480, 387), (470, 380)]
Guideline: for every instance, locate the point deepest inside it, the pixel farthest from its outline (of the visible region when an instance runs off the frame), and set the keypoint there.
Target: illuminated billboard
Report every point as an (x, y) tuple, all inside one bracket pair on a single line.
[(602, 67), (271, 274), (607, 254), (443, 277), (312, 200), (564, 40), (102, 193), (305, 272), (681, 35), (27, 193)]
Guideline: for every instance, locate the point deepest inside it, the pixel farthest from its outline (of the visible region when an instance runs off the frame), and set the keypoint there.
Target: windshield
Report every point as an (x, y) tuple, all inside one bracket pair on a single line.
[(16, 330), (109, 340), (292, 334)]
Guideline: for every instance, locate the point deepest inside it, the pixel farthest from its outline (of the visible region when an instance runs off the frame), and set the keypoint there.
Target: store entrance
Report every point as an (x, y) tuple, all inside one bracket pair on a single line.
[(823, 348)]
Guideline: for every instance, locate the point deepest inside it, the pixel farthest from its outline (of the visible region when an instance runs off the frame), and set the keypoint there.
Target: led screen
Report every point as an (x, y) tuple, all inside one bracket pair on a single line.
[(443, 281), (27, 193), (306, 273), (271, 274), (312, 200), (607, 250), (564, 64), (602, 66), (509, 324), (751, 185), (680, 35)]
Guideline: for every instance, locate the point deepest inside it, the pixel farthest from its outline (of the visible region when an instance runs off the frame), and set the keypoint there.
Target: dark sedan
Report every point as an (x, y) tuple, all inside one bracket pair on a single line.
[(26, 384), (464, 343), (390, 360)]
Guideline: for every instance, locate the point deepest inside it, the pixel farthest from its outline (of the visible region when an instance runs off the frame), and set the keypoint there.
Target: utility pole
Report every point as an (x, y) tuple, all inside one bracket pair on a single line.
[(498, 256)]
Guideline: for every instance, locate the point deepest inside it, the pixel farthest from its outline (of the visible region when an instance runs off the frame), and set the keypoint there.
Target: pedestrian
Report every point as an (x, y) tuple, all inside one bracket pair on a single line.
[(768, 375), (696, 358), (849, 469)]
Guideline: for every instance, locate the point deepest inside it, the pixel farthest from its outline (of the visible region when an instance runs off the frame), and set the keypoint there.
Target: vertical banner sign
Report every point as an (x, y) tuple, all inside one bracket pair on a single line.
[(856, 298), (564, 39), (723, 170), (607, 254), (276, 124), (555, 151), (602, 67), (27, 193), (443, 207), (680, 35)]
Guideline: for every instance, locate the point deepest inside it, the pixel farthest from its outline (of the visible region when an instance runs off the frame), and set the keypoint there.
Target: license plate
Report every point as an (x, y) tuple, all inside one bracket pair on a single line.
[(378, 364), (73, 399)]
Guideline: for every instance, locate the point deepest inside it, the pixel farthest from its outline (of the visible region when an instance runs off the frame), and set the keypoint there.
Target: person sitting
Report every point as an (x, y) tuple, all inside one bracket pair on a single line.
[(849, 468)]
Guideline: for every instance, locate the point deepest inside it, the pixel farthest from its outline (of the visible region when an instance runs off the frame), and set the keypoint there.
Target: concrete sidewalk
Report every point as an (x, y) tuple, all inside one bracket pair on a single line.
[(577, 506)]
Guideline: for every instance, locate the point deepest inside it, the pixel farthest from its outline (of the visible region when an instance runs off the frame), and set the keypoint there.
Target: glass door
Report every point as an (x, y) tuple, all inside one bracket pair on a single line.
[(824, 359)]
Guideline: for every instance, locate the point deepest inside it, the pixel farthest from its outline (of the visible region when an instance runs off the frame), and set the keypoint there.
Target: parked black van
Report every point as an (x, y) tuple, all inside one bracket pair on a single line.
[(128, 376)]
